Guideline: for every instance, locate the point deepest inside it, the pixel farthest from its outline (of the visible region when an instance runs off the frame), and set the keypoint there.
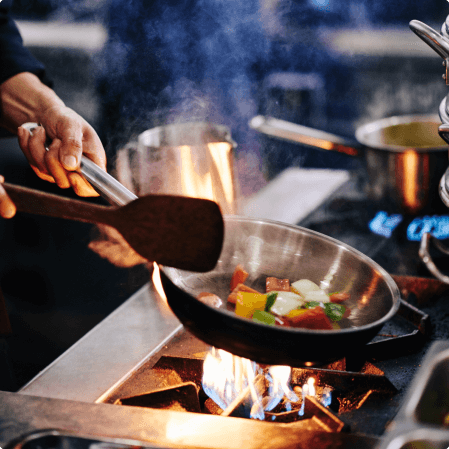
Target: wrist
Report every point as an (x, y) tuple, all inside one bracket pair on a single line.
[(24, 98)]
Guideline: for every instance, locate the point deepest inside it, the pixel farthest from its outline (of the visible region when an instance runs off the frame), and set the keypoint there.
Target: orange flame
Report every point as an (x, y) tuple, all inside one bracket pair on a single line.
[(226, 376), (209, 174), (156, 278), (309, 387)]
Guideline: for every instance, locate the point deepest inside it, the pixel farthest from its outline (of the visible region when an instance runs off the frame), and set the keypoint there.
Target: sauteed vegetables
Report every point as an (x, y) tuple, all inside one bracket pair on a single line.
[(299, 304)]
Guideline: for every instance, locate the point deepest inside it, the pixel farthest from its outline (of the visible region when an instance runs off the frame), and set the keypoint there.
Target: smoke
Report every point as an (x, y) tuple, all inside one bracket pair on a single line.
[(170, 61), (161, 55), (196, 60), (208, 60)]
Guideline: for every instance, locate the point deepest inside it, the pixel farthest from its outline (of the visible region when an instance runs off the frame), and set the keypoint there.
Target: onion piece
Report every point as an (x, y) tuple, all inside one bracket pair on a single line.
[(285, 302), (317, 295), (303, 286)]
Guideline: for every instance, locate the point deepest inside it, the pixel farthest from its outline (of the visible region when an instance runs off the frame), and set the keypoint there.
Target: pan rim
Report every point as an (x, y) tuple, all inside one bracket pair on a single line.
[(392, 286)]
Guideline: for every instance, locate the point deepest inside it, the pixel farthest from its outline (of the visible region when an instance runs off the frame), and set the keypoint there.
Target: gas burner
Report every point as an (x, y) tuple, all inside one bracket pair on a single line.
[(349, 391), (173, 381)]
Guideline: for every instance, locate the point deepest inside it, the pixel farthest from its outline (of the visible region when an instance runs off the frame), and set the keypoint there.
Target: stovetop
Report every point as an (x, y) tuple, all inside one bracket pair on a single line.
[(392, 240), (346, 216), (383, 234), (393, 357)]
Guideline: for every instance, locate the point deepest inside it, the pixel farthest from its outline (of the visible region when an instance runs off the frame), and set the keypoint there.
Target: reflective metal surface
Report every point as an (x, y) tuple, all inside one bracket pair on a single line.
[(424, 254), (440, 44), (404, 157), (55, 439), (192, 159), (21, 416), (422, 421), (268, 248), (109, 188), (110, 351)]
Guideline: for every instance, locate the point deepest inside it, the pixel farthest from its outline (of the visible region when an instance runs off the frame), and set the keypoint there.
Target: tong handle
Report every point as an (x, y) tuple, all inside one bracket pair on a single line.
[(105, 184)]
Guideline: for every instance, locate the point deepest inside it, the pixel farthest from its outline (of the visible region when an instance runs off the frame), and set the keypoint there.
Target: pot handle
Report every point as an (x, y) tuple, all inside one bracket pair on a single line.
[(425, 256), (444, 188), (293, 132)]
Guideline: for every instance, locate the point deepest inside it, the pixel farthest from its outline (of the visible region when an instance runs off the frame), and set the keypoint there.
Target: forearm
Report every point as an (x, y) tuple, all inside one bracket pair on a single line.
[(24, 98)]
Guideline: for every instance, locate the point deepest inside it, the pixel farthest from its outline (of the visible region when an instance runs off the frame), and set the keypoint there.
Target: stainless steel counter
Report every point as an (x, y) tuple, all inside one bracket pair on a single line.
[(110, 351), (21, 415), (67, 395), (144, 323)]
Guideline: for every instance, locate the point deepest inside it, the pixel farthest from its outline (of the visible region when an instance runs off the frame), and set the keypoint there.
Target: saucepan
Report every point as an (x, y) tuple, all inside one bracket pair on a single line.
[(404, 156), (268, 248)]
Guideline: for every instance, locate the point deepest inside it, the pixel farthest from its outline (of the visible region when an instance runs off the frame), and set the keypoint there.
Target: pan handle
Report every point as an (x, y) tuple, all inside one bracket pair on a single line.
[(107, 186), (425, 256), (293, 132)]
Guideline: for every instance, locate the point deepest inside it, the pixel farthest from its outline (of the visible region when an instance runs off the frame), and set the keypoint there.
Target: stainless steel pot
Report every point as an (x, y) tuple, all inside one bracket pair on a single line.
[(194, 159), (404, 157)]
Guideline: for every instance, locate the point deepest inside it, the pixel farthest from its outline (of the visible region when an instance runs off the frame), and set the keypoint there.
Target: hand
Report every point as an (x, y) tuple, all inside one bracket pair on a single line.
[(24, 98), (71, 137), (7, 208)]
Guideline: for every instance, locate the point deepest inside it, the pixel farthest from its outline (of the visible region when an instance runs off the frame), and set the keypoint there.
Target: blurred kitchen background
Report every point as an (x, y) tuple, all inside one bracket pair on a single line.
[(130, 66)]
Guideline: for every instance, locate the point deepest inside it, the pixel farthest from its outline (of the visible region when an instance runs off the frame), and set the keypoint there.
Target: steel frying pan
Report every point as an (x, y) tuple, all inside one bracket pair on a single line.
[(267, 248)]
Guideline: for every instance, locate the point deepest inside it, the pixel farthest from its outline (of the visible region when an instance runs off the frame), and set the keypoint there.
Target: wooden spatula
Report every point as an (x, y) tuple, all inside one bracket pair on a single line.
[(175, 231)]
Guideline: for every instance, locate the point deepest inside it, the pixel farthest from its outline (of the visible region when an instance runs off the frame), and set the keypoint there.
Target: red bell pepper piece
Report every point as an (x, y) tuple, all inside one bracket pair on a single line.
[(312, 319), (339, 297), (239, 276)]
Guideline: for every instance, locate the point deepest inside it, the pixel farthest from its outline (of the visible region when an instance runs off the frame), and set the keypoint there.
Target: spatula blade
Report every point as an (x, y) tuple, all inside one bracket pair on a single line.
[(180, 232), (176, 231)]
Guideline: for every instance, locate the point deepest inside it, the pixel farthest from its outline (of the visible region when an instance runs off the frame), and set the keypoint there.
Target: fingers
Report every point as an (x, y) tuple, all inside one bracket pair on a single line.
[(93, 148), (33, 147), (77, 138), (80, 186), (7, 207), (71, 149), (71, 138), (54, 166)]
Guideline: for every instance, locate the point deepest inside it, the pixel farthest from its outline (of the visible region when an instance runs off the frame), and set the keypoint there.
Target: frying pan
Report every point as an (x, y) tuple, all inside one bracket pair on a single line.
[(268, 248)]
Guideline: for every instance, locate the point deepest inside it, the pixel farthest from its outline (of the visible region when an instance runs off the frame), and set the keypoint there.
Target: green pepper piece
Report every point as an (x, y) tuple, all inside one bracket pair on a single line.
[(271, 299), (260, 316), (311, 304), (334, 311)]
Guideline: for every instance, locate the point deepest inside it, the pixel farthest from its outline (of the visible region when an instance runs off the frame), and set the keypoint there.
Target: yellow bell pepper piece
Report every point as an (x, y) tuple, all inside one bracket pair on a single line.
[(295, 312), (248, 302)]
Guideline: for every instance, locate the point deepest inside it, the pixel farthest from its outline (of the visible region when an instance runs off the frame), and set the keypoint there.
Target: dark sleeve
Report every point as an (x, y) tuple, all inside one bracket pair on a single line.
[(14, 57)]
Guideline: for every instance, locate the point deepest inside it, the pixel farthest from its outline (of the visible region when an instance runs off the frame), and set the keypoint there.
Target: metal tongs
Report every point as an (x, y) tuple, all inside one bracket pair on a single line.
[(106, 185)]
